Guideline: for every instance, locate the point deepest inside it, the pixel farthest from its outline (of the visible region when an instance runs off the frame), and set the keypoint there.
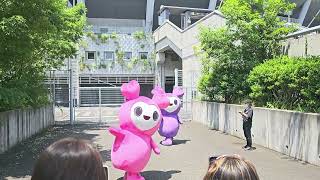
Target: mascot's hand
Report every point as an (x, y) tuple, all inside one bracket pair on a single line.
[(156, 150), (116, 132), (179, 121), (155, 147)]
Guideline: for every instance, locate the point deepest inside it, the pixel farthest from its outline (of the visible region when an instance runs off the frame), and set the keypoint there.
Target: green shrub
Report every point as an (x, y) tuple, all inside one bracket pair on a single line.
[(104, 38), (22, 96), (287, 83), (139, 35)]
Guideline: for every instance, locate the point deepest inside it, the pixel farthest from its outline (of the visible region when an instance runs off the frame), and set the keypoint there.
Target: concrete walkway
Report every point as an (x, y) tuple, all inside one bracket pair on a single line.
[(186, 160)]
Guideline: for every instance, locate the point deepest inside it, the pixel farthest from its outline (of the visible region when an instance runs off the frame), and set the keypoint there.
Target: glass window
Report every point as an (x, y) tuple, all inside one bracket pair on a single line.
[(143, 55), (104, 30), (108, 55), (91, 55), (127, 55)]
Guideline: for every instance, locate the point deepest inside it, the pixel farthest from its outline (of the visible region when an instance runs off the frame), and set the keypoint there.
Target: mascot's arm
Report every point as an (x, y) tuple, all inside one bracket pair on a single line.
[(155, 147), (117, 132), (179, 120)]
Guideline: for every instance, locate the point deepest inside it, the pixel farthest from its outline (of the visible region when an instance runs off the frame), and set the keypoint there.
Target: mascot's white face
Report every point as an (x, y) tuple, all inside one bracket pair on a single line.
[(144, 116), (175, 103)]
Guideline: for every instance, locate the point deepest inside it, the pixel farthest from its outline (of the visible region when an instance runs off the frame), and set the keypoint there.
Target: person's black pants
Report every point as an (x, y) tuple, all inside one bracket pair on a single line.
[(247, 132)]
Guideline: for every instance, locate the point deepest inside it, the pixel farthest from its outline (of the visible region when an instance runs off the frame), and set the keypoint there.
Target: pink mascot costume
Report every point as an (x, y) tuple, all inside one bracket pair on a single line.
[(139, 119)]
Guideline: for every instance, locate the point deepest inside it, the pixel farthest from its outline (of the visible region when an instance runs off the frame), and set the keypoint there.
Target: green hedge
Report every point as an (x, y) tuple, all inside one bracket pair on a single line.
[(287, 83)]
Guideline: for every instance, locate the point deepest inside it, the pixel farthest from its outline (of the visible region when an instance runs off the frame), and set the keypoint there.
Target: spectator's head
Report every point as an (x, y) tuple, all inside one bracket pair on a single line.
[(248, 103), (69, 159), (230, 168)]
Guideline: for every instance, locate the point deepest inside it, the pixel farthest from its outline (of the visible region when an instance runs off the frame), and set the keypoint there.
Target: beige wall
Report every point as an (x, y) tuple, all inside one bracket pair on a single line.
[(305, 45)]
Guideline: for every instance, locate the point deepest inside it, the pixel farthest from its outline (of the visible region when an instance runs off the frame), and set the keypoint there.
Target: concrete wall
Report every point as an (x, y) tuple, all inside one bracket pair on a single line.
[(303, 45), (18, 125), (292, 133)]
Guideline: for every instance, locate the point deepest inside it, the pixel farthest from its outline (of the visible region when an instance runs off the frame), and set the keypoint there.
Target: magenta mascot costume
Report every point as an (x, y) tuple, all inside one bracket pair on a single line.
[(170, 123), (139, 119)]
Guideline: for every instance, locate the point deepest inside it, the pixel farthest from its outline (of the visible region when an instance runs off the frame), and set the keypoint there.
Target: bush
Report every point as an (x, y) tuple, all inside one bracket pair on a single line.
[(287, 83), (28, 91)]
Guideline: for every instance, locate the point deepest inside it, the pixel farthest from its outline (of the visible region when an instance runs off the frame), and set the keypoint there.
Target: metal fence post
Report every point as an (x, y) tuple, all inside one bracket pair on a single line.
[(54, 88), (74, 105), (100, 116), (70, 94)]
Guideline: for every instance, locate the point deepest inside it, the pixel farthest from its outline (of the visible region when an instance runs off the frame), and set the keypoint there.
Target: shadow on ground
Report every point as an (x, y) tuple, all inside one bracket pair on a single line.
[(180, 141), (18, 161), (157, 175)]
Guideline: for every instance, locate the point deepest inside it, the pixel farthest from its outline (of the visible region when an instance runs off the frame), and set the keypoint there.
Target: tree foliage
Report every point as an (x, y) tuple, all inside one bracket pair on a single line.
[(35, 35), (287, 83), (249, 37)]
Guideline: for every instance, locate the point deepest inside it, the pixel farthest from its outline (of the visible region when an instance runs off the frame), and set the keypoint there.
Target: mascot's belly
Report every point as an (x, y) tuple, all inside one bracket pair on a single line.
[(169, 126), (131, 153)]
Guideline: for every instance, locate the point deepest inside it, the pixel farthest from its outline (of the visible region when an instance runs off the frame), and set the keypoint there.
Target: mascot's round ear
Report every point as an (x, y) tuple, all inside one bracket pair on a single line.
[(161, 100), (177, 91), (158, 91), (130, 90)]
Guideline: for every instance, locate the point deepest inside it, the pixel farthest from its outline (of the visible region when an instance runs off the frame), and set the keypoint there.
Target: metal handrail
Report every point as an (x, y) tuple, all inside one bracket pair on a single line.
[(304, 32)]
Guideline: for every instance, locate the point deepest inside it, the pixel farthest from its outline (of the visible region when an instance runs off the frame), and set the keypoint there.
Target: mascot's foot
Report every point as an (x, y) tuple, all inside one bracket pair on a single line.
[(133, 176), (167, 142)]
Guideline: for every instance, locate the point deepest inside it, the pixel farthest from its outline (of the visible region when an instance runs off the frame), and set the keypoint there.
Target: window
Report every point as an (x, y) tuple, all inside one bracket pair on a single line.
[(143, 55), (127, 55), (108, 56), (91, 55), (104, 30)]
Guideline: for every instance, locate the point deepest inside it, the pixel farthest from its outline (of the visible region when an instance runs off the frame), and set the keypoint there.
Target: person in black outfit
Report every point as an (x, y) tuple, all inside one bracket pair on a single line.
[(247, 115)]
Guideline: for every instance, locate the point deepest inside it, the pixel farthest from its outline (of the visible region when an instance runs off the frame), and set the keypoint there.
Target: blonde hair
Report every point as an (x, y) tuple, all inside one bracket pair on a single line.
[(231, 168)]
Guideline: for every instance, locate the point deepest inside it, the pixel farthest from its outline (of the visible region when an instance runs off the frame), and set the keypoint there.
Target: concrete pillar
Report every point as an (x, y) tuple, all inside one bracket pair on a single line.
[(75, 79), (176, 77), (186, 21), (149, 15), (160, 57), (212, 5), (160, 75), (165, 15), (188, 18), (304, 11)]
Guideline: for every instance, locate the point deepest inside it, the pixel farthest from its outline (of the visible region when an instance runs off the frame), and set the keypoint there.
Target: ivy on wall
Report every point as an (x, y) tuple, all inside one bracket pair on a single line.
[(139, 36)]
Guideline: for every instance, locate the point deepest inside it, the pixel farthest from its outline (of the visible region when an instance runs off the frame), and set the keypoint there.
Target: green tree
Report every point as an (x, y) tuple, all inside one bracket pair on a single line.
[(35, 35), (249, 37)]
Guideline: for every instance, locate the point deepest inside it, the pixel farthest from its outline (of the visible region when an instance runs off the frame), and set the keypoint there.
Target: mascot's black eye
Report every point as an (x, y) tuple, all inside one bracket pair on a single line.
[(138, 111), (175, 102), (155, 115)]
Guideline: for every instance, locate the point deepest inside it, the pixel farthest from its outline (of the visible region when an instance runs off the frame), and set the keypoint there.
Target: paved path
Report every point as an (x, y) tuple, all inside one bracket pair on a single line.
[(187, 160)]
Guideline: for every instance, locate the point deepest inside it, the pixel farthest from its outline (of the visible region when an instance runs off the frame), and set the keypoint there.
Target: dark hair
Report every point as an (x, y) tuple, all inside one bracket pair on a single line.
[(69, 159), (248, 101), (230, 168)]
